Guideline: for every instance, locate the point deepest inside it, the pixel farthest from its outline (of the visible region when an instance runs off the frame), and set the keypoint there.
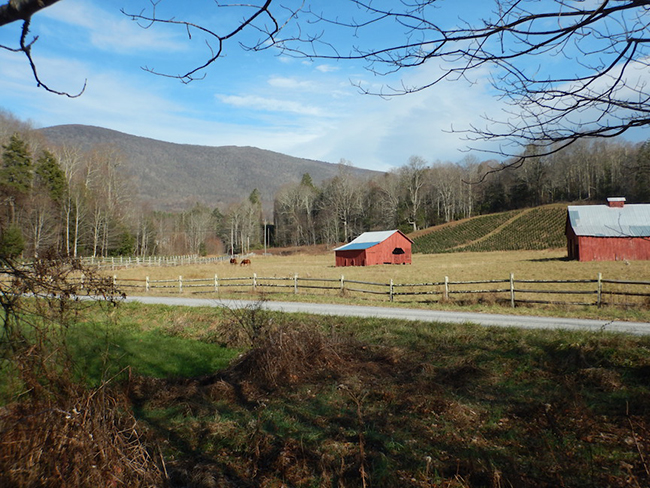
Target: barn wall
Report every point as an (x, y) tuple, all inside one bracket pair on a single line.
[(351, 258), (613, 248), (382, 253), (572, 243)]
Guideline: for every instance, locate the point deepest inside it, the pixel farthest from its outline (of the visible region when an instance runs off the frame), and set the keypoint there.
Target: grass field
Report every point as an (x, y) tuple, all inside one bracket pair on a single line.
[(325, 401), (546, 264), (214, 398), (468, 266)]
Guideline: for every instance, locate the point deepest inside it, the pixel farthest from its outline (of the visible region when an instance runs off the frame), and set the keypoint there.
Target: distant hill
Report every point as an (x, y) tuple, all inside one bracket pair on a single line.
[(173, 176), (530, 229)]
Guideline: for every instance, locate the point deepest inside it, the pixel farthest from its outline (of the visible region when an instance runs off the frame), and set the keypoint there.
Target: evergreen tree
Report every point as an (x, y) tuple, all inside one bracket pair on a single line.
[(307, 180), (50, 176), (16, 171), (254, 197), (12, 242), (15, 176), (642, 178)]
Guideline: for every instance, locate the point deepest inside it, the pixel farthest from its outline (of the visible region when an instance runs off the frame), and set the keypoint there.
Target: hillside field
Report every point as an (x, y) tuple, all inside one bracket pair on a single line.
[(529, 229)]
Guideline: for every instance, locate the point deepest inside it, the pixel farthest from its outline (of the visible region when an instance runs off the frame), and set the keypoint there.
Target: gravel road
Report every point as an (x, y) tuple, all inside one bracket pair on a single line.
[(520, 321)]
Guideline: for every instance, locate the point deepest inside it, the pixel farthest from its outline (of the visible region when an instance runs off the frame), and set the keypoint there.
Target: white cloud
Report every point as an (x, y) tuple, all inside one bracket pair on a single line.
[(110, 30), (271, 105), (289, 83), (327, 68)]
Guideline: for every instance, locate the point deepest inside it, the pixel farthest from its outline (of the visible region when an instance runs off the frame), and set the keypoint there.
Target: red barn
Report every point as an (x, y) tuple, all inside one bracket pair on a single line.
[(611, 232), (385, 247)]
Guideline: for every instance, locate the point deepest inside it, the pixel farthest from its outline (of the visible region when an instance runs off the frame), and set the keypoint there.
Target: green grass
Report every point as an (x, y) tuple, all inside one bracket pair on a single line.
[(417, 404), (404, 403), (103, 351)]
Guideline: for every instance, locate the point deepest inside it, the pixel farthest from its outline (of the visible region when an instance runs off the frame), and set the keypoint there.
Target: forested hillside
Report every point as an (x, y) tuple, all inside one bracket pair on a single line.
[(84, 198), (171, 177)]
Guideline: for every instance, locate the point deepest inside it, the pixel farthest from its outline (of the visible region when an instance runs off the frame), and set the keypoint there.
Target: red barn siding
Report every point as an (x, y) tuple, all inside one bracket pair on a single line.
[(351, 258), (611, 248), (599, 248), (396, 249)]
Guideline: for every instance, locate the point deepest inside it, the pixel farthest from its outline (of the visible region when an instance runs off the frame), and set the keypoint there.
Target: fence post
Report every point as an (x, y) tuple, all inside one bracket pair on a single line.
[(512, 290), (114, 280), (83, 277), (216, 283), (342, 283), (146, 284), (180, 284), (295, 284), (254, 281), (600, 290), (446, 287), (391, 290)]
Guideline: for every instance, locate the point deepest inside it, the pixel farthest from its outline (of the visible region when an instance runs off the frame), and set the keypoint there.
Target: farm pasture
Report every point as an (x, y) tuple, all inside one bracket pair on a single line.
[(549, 264), (426, 268)]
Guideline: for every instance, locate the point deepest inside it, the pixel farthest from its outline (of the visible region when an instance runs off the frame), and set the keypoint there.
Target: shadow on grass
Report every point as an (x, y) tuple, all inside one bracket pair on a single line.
[(563, 259)]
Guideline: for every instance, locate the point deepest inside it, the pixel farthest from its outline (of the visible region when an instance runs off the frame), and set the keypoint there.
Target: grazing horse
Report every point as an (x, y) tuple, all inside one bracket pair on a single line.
[(233, 260), (245, 262)]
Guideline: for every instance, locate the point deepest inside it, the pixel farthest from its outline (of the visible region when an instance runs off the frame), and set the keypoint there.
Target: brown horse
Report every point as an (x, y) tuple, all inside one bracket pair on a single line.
[(233, 260), (245, 262)]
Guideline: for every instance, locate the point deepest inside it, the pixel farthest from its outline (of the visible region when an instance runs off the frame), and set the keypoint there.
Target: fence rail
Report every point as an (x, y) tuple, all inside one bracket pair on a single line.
[(518, 292), (150, 261)]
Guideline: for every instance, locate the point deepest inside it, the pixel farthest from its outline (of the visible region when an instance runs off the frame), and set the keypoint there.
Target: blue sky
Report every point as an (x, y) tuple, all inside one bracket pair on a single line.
[(297, 107)]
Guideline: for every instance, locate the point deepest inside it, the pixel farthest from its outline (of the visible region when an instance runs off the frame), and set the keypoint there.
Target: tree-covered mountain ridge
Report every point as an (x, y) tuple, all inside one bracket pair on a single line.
[(170, 176)]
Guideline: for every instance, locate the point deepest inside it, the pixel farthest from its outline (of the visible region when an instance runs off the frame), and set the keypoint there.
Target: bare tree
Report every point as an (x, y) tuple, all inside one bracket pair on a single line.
[(342, 205), (599, 90), (595, 85), (413, 180), (390, 196)]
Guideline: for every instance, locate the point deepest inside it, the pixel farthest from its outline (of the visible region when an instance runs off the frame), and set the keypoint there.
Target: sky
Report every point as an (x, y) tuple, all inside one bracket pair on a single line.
[(308, 109)]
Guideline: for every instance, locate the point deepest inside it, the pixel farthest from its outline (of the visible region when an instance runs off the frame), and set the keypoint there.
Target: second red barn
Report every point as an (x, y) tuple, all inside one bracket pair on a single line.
[(370, 248)]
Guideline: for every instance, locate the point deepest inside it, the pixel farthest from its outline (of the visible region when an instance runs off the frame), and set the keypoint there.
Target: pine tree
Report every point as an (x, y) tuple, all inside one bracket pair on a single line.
[(12, 242), (50, 176), (16, 172), (642, 176)]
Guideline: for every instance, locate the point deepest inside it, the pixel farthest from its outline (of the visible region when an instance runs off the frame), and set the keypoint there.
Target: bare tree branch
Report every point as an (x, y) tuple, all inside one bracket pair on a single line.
[(601, 94), (15, 10), (23, 10), (259, 18)]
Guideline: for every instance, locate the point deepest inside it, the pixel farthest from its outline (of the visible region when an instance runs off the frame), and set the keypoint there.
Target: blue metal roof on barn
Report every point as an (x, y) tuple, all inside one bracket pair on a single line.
[(366, 240), (606, 221)]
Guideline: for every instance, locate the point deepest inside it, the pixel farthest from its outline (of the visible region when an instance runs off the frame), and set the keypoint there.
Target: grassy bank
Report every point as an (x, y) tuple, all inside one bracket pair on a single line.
[(325, 401)]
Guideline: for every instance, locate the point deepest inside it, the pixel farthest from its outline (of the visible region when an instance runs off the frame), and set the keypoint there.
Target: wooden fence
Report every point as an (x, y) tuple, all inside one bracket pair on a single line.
[(511, 291), (128, 261)]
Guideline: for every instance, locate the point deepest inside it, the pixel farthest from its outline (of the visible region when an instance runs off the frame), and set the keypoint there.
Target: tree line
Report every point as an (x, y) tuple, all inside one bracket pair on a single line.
[(421, 194), (80, 203)]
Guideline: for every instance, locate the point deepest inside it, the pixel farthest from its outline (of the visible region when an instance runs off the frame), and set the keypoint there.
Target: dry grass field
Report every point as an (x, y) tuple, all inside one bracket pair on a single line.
[(550, 264), (426, 268)]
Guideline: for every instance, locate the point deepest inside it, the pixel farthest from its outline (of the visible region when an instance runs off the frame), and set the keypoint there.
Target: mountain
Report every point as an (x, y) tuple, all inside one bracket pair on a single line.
[(172, 176)]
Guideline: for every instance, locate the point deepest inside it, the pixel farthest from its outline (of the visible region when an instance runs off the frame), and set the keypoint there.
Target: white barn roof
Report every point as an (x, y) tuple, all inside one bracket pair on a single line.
[(606, 221), (367, 240)]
